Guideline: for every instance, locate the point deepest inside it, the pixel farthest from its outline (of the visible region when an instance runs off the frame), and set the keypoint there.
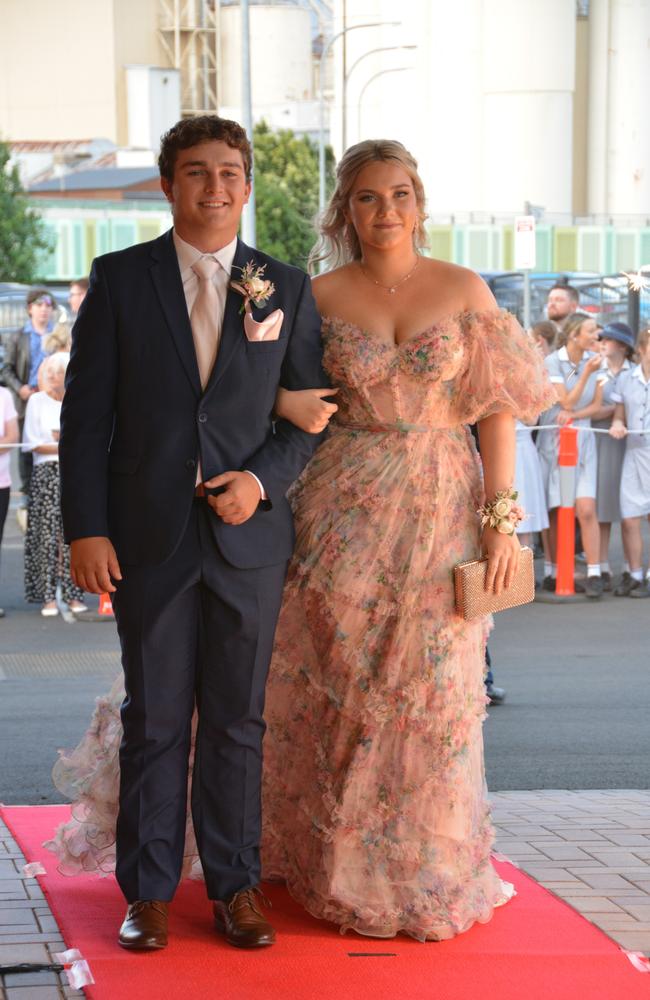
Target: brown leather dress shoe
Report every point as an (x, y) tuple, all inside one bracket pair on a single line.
[(242, 921), (145, 925)]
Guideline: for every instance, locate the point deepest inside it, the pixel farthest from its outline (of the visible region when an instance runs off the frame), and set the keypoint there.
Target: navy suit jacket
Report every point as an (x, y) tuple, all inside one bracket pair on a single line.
[(135, 421)]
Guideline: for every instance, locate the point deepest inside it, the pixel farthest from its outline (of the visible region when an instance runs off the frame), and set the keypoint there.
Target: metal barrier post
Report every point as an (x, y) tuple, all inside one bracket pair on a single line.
[(565, 555)]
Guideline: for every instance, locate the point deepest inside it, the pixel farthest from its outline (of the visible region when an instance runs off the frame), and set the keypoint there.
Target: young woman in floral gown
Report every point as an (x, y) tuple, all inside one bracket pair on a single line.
[(375, 808)]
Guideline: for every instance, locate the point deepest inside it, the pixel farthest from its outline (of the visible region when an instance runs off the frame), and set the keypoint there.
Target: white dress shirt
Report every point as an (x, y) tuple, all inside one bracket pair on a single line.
[(187, 257)]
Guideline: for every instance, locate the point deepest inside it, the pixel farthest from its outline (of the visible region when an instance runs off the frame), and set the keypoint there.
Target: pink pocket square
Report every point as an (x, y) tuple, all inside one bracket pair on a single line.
[(267, 328)]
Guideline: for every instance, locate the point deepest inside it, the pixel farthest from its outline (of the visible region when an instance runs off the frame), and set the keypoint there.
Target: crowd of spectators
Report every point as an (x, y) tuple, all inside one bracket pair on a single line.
[(602, 380), (33, 373)]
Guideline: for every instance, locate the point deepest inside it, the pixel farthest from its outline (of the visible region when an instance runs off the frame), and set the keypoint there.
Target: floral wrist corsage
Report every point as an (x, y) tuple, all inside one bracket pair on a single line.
[(503, 512)]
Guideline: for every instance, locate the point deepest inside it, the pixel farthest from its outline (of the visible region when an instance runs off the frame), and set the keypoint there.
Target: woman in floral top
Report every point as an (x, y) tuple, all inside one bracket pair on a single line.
[(374, 794)]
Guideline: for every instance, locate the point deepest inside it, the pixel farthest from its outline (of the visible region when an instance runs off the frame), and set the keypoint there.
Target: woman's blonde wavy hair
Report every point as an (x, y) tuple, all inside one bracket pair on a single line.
[(338, 243), (571, 326)]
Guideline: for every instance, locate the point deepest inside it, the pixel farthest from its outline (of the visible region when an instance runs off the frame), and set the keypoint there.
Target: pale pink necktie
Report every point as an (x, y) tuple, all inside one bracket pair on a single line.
[(204, 318)]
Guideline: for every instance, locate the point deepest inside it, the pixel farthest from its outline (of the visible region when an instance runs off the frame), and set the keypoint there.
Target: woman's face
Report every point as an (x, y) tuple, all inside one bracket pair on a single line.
[(542, 346), (586, 336), (54, 380), (612, 348), (383, 207)]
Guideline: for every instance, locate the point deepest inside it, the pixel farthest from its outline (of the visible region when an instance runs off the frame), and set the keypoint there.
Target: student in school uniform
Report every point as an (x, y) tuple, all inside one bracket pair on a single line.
[(574, 371), (617, 351), (529, 484), (632, 413), (544, 335)]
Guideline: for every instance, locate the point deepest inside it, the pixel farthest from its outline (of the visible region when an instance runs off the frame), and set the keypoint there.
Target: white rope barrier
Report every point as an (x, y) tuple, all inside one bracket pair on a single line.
[(536, 427), (593, 430)]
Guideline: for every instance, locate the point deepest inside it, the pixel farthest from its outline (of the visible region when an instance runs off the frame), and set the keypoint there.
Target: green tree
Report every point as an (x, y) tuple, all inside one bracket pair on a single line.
[(286, 192), (22, 234)]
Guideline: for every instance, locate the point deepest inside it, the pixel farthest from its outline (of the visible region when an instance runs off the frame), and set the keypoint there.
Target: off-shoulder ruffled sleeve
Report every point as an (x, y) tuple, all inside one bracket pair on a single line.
[(501, 370)]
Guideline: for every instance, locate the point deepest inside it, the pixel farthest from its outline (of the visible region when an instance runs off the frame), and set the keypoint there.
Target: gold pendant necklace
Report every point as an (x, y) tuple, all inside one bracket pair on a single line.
[(391, 289)]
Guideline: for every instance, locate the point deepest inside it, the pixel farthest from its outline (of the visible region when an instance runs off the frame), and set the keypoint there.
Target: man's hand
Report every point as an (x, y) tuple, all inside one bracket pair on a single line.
[(92, 564), (25, 391), (240, 499)]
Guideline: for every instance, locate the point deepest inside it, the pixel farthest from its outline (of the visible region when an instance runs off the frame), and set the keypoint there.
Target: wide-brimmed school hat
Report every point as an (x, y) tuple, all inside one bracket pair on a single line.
[(618, 331)]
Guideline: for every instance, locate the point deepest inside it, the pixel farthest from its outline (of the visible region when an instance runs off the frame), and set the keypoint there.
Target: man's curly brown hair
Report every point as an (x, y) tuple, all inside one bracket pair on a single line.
[(203, 128)]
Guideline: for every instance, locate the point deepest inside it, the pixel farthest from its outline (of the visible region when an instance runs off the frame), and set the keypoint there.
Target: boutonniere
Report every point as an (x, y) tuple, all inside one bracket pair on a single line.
[(253, 286)]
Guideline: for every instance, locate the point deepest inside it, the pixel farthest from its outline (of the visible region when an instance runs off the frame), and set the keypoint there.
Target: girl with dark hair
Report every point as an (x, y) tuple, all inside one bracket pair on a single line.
[(617, 352), (632, 413)]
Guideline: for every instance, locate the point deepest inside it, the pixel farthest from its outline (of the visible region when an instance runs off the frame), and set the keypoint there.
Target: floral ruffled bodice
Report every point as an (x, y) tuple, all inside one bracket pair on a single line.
[(457, 371)]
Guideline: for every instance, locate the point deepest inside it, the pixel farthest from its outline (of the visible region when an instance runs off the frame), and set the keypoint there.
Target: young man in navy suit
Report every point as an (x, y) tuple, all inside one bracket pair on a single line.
[(173, 491)]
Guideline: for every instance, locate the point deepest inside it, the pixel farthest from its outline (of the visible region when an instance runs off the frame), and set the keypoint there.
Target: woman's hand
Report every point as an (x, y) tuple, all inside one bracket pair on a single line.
[(618, 430), (593, 364), (306, 408), (502, 552), (564, 417)]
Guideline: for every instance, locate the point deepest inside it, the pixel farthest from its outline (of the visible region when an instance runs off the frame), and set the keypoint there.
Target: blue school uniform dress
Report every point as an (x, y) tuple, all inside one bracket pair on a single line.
[(610, 454), (562, 371), (634, 392), (529, 483)]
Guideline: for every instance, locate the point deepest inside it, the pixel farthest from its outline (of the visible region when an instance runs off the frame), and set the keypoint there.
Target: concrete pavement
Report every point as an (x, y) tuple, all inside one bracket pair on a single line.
[(591, 849), (576, 715), (574, 727)]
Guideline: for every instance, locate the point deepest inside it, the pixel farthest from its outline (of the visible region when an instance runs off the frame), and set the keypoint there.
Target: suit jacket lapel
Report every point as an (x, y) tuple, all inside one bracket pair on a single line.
[(232, 328), (166, 278)]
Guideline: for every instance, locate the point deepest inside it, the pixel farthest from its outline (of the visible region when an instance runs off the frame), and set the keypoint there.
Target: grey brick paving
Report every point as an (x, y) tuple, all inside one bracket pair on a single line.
[(590, 848), (34, 993)]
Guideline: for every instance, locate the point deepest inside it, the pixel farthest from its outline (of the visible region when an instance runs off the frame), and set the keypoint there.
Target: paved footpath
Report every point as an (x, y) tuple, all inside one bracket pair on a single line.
[(590, 848)]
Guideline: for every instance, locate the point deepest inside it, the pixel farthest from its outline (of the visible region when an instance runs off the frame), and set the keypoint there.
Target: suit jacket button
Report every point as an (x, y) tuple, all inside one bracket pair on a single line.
[(190, 464), (203, 418)]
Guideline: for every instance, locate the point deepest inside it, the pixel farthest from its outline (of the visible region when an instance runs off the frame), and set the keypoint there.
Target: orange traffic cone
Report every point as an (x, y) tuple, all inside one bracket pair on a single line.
[(105, 605), (567, 460)]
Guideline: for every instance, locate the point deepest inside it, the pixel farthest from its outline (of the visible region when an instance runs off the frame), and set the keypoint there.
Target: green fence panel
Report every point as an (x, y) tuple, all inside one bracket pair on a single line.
[(565, 248), (123, 234), (508, 248), (626, 250), (441, 242)]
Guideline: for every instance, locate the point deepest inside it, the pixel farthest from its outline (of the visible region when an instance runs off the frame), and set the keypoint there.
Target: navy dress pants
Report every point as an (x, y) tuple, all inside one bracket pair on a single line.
[(193, 630)]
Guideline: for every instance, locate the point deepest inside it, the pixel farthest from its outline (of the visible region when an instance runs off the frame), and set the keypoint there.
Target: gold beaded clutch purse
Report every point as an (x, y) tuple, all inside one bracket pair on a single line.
[(473, 601)]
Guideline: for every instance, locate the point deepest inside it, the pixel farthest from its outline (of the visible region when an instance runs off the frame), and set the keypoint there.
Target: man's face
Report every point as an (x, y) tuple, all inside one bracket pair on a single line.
[(40, 312), (76, 296), (560, 304), (207, 194)]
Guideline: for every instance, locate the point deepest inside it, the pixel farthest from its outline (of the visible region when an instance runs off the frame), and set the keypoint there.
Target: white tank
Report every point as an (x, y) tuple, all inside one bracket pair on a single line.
[(487, 112), (619, 136), (281, 65), (528, 83)]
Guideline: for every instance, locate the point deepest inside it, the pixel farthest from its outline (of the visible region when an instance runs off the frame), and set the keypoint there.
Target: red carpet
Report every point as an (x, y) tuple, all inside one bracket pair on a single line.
[(535, 948)]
